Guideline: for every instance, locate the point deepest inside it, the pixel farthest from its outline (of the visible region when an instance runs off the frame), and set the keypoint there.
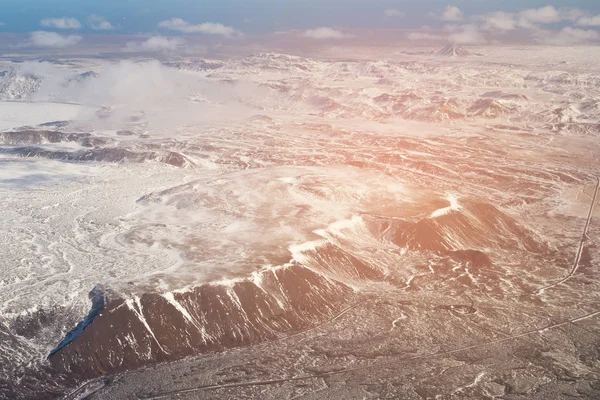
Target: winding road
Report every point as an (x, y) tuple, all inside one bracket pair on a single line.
[(581, 242)]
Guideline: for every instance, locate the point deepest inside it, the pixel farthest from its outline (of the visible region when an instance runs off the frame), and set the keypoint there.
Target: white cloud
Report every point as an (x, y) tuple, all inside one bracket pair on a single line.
[(500, 21), (156, 43), (466, 34), (535, 23), (164, 98), (589, 21), (208, 28), (533, 20), (323, 33), (544, 15), (61, 23), (99, 23), (53, 39), (528, 19), (572, 14), (452, 14), (423, 36), (568, 36), (394, 13)]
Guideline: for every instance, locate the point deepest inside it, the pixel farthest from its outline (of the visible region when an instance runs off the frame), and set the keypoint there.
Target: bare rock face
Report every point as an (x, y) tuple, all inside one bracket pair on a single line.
[(474, 226), (154, 327)]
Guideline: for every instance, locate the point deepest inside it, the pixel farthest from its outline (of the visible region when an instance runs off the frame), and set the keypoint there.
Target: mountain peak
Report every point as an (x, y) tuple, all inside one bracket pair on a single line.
[(453, 50)]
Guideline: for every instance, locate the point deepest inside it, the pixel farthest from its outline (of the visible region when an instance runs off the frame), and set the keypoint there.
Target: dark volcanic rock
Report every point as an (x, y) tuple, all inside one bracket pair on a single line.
[(107, 154), (332, 259), (98, 303), (474, 257), (35, 137), (55, 124), (475, 226), (153, 327)]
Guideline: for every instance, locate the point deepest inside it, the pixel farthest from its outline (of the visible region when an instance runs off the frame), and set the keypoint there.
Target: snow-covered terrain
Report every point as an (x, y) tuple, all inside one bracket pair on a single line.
[(223, 203)]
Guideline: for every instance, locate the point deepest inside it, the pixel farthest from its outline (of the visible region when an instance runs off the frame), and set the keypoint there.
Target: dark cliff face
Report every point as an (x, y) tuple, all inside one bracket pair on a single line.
[(98, 302), (156, 327)]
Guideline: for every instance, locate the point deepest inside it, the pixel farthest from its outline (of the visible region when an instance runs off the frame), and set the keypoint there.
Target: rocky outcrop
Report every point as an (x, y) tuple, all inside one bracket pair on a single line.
[(131, 331)]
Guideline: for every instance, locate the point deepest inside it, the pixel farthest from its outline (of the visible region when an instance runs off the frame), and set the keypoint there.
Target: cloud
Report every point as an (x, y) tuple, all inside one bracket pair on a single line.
[(589, 21), (423, 36), (528, 19), (323, 33), (539, 24), (533, 20), (466, 34), (390, 13), (99, 23), (164, 98), (61, 23), (53, 40), (544, 15), (572, 14), (156, 43), (452, 14), (208, 28), (2, 24), (568, 36), (500, 21)]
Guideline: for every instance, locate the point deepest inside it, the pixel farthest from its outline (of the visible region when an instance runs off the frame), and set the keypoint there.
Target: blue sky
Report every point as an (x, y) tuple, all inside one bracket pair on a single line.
[(254, 16)]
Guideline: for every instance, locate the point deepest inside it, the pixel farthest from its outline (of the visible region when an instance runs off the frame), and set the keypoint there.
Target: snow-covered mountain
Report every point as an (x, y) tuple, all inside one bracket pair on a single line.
[(453, 50), (17, 86)]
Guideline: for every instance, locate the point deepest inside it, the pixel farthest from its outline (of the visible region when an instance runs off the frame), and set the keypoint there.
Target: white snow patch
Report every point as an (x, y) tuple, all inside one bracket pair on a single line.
[(454, 206)]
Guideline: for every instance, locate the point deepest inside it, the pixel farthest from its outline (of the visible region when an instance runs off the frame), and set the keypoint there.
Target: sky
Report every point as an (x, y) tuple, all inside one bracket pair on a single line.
[(60, 23), (256, 16)]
